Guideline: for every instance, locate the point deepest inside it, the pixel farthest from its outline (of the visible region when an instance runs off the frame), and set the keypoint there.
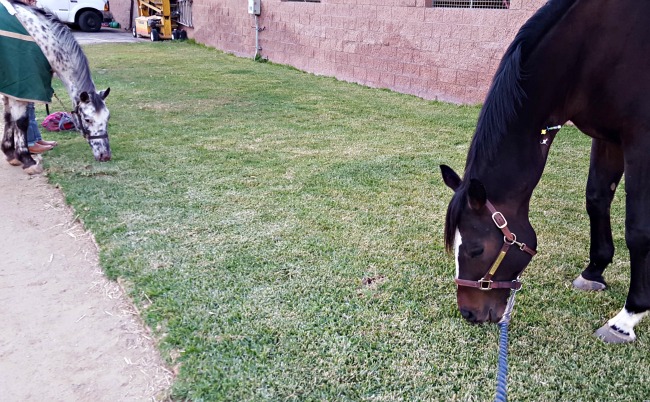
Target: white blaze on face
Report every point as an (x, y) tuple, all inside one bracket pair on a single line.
[(625, 321), (458, 240)]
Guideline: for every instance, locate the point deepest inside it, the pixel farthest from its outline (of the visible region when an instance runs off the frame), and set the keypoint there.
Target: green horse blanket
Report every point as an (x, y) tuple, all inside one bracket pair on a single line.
[(25, 73)]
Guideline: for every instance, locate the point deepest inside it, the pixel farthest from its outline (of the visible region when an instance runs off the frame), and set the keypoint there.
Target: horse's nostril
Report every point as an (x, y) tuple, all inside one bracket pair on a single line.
[(104, 157)]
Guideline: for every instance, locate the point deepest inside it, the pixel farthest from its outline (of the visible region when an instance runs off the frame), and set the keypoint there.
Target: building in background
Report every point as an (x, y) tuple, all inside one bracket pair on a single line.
[(445, 50)]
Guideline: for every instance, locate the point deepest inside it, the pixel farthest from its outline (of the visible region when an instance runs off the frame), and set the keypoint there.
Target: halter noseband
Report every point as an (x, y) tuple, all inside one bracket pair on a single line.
[(509, 238), (96, 137)]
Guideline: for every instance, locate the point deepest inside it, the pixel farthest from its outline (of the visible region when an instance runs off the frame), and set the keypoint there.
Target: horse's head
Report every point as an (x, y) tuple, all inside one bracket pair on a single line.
[(489, 258), (91, 118)]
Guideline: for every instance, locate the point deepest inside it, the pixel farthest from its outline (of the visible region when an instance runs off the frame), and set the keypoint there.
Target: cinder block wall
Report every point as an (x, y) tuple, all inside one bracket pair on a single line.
[(121, 12), (447, 54)]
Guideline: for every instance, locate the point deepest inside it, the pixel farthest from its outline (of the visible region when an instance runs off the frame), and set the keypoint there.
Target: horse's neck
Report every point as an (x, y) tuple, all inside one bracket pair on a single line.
[(73, 89), (69, 71), (513, 171), (67, 68)]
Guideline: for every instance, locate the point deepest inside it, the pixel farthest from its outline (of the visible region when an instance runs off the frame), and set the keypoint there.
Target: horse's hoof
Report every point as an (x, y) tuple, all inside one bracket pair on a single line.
[(585, 284), (14, 162), (34, 169), (609, 335)]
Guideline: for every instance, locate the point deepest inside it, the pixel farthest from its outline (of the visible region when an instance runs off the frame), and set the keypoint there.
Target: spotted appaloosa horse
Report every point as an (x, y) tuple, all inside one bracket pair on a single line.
[(67, 59), (587, 61)]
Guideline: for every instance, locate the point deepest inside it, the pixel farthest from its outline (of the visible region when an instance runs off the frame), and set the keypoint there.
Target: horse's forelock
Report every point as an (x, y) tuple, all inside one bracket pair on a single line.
[(97, 101), (454, 210)]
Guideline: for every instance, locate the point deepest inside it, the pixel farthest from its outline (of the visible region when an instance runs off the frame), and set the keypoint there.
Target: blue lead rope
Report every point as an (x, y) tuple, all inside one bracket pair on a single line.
[(502, 373)]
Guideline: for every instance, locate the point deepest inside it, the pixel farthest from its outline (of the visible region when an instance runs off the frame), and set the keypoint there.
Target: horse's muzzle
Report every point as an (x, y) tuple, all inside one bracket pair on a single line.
[(479, 306), (100, 147), (103, 157), (475, 318)]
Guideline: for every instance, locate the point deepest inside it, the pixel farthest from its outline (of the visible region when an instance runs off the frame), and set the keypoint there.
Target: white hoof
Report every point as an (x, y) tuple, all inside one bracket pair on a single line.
[(14, 162), (610, 334)]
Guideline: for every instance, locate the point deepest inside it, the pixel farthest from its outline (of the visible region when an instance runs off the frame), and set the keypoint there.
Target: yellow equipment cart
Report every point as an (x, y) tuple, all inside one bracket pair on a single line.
[(157, 19)]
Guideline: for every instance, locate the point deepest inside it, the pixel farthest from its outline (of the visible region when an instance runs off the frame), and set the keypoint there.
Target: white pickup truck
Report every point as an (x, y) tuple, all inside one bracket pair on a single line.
[(88, 15)]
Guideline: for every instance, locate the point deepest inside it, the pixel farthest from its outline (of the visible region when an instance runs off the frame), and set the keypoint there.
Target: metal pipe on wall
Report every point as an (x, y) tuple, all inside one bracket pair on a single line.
[(257, 38)]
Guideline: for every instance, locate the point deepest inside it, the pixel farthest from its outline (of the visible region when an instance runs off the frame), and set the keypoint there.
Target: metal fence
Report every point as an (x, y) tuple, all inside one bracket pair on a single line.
[(185, 12)]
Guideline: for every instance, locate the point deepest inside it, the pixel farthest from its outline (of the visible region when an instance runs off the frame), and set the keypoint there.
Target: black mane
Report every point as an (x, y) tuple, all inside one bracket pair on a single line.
[(503, 101)]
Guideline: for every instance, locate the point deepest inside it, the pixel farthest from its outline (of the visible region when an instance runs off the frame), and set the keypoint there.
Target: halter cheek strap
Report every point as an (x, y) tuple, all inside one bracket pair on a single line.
[(509, 238), (80, 127), (77, 119)]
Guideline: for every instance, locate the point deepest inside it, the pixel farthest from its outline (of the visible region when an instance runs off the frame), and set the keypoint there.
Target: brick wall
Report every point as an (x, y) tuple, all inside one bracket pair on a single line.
[(447, 54)]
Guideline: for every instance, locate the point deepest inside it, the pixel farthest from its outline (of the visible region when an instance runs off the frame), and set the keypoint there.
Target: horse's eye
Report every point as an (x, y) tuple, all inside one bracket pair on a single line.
[(475, 251), (87, 120)]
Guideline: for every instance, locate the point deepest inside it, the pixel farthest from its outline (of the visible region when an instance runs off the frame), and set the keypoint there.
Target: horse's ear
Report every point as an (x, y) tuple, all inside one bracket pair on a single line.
[(104, 94), (84, 97), (450, 177), (476, 195)]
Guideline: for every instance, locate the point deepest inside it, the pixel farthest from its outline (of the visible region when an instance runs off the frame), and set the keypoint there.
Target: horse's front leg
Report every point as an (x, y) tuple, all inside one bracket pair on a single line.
[(14, 144), (605, 171), (637, 236), (8, 137)]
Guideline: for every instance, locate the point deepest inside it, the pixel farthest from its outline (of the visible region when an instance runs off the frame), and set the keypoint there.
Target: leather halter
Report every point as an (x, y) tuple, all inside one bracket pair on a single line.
[(80, 127), (509, 238), (96, 137)]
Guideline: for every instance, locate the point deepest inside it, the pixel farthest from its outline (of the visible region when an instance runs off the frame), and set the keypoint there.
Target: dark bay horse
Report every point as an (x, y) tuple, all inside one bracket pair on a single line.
[(587, 61), (32, 32)]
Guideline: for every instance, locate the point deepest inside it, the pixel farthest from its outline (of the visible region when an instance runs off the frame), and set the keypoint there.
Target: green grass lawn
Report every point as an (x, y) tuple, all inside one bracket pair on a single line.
[(282, 235)]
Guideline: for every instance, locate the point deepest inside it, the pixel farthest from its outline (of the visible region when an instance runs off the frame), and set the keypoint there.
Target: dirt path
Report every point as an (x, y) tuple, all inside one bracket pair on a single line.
[(66, 332)]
